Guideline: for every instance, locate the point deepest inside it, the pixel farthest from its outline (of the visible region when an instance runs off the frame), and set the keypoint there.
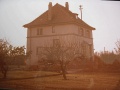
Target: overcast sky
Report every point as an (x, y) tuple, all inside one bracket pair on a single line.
[(103, 15)]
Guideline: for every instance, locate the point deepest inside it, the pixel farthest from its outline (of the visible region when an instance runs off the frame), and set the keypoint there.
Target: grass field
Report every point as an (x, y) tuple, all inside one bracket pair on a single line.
[(82, 81)]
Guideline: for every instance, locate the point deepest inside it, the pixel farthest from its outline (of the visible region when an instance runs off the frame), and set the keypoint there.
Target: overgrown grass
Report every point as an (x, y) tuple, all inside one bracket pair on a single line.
[(81, 81)]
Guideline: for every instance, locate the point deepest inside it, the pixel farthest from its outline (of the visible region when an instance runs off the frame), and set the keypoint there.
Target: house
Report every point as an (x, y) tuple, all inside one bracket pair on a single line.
[(55, 25)]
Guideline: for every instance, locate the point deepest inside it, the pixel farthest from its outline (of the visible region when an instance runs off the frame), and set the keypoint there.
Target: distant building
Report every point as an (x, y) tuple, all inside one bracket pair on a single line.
[(58, 24)]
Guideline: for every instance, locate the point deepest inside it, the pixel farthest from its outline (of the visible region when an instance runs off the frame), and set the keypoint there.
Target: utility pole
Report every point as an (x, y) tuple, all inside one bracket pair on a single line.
[(81, 11)]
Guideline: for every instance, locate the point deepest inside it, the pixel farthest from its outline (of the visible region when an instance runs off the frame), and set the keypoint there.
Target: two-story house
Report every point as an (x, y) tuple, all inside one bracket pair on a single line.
[(58, 24)]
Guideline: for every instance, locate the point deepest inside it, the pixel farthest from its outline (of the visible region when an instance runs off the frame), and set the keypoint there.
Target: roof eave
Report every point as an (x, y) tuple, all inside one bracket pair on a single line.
[(61, 23)]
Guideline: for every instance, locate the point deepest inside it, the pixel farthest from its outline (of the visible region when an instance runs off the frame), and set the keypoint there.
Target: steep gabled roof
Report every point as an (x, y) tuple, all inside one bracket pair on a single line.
[(60, 15)]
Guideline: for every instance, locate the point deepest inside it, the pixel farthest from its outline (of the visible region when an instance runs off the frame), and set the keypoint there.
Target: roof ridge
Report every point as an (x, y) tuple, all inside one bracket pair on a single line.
[(60, 14), (71, 14), (44, 13)]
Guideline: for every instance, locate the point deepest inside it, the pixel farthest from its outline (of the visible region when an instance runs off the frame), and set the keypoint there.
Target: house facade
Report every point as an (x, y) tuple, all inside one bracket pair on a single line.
[(58, 24)]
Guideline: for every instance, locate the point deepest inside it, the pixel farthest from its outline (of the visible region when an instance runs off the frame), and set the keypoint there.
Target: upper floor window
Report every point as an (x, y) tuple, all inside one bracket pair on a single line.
[(37, 50), (88, 33), (81, 31), (39, 31), (53, 29)]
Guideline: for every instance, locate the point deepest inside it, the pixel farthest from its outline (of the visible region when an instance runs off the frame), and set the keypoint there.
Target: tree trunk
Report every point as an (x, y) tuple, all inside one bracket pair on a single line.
[(4, 71), (64, 74), (63, 71), (5, 74)]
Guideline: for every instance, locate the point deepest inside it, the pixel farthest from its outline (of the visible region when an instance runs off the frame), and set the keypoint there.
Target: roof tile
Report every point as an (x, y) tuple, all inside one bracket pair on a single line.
[(60, 15)]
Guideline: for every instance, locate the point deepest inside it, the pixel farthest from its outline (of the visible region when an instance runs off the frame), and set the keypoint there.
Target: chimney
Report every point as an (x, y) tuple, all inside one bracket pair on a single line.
[(67, 5), (50, 11)]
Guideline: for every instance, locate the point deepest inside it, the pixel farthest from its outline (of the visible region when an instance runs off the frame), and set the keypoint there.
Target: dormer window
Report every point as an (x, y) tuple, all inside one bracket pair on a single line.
[(76, 15), (39, 31)]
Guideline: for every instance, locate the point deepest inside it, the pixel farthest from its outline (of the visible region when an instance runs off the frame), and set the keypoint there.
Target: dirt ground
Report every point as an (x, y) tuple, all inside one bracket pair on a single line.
[(39, 80)]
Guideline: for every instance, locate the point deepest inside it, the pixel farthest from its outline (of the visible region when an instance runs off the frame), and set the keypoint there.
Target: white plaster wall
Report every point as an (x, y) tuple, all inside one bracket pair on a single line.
[(62, 32), (59, 29), (47, 41)]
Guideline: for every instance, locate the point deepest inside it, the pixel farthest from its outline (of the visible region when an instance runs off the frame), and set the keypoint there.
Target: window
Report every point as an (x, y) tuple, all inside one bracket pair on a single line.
[(56, 42), (90, 48), (39, 31), (81, 31), (88, 33), (83, 49), (53, 29), (37, 51)]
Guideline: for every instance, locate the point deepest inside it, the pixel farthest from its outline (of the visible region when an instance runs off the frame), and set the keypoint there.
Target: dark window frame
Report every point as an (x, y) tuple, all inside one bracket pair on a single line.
[(39, 31), (81, 31), (53, 29), (56, 42)]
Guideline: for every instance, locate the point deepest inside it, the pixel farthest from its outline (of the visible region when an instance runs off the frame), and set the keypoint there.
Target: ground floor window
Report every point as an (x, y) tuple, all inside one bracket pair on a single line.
[(56, 42)]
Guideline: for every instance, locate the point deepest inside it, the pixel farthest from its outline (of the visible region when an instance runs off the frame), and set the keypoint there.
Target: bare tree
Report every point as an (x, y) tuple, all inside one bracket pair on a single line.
[(10, 55), (59, 53), (117, 49), (4, 50)]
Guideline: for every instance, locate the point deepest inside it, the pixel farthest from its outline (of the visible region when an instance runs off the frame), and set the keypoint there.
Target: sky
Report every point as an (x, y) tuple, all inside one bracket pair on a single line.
[(102, 15)]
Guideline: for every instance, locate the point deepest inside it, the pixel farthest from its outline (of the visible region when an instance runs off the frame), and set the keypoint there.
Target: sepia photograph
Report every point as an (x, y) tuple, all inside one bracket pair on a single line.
[(59, 45)]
